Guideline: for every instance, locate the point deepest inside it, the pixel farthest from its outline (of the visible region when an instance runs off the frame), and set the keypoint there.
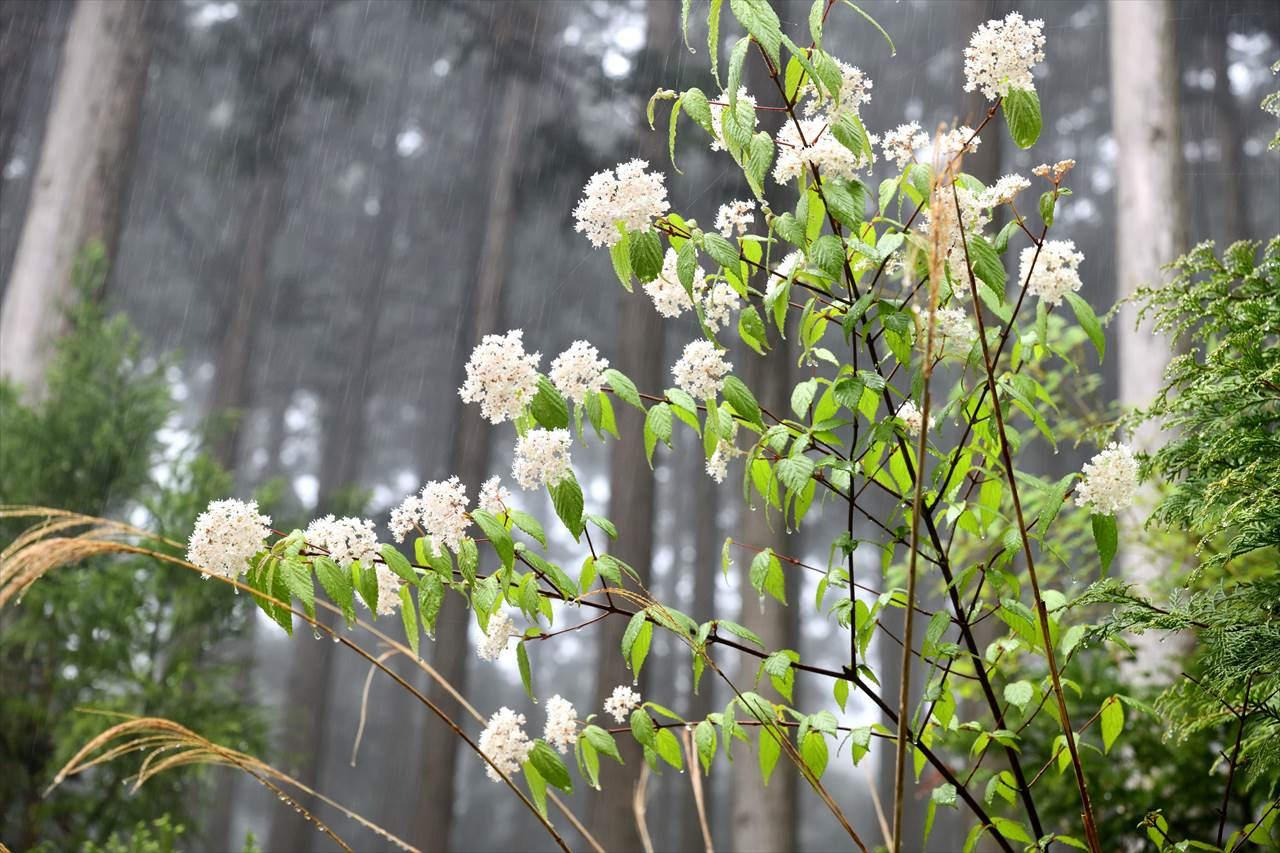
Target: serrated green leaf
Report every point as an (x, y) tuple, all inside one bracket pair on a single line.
[(1088, 321), (1021, 108), (646, 254)]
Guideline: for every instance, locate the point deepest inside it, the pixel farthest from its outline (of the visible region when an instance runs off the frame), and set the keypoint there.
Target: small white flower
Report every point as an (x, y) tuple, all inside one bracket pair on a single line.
[(578, 371), (701, 370), (226, 535), (501, 376), (444, 512), (956, 331), (499, 633), (1001, 54), (620, 704), (666, 291), (945, 232), (735, 215), (855, 90), (910, 415), (505, 743), (406, 517), (718, 307), (494, 496), (1110, 480), (820, 148), (718, 462), (901, 144), (345, 540), (626, 194), (388, 590), (561, 730), (952, 142), (1056, 271), (542, 458), (1004, 190)]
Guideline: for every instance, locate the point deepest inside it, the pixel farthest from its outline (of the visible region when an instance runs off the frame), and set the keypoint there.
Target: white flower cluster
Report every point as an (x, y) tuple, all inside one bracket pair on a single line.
[(626, 194), (953, 326), (1005, 190), (621, 703), (1057, 169), (494, 496), (226, 535), (718, 463), (733, 215), (912, 418), (1110, 480), (1001, 54), (855, 90), (388, 590), (701, 370), (501, 376), (819, 148), (542, 458), (345, 540), (578, 371), (1056, 271), (505, 743), (720, 303), (666, 291), (440, 509), (718, 107), (561, 730), (943, 228), (952, 142), (901, 144), (496, 637)]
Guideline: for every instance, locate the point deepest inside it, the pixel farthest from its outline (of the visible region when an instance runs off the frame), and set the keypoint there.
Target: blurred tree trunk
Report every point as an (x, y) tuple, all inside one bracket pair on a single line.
[(311, 681), (640, 335), (755, 827), (501, 131), (1230, 131), (706, 568), (82, 179), (1151, 230)]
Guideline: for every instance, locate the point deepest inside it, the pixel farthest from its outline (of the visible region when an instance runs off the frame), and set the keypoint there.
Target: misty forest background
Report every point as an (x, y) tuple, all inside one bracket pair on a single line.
[(311, 210)]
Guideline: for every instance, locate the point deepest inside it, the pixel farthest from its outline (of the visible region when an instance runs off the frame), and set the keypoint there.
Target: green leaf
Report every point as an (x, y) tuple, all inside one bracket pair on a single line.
[(646, 255), (602, 741), (497, 534), (1088, 321), (337, 584), (620, 254), (1106, 537), (548, 407), (296, 576), (397, 563), (986, 264), (566, 497), (1021, 108), (740, 631), (695, 105), (642, 727), (410, 617), (758, 160), (758, 18), (549, 766), (366, 581), (657, 425), (846, 199), (624, 388), (529, 525), (526, 674), (636, 640), (1112, 721), (668, 748), (770, 749), (721, 250), (430, 598), (944, 795), (827, 254), (813, 749), (537, 787), (704, 739), (766, 575), (850, 133), (739, 396), (1048, 201), (713, 38), (794, 472), (1019, 693)]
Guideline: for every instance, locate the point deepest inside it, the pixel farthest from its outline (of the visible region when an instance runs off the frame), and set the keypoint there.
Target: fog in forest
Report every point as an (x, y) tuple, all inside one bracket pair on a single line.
[(323, 205)]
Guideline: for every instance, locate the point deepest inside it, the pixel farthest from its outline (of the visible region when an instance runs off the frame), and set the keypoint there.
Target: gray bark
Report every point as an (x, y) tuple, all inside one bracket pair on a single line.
[(1150, 229), (82, 179)]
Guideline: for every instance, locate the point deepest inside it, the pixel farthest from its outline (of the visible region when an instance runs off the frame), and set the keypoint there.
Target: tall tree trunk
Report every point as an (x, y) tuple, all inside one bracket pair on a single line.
[(640, 353), (243, 304), (756, 827), (1229, 128), (81, 183), (1151, 230), (471, 438), (311, 681)]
